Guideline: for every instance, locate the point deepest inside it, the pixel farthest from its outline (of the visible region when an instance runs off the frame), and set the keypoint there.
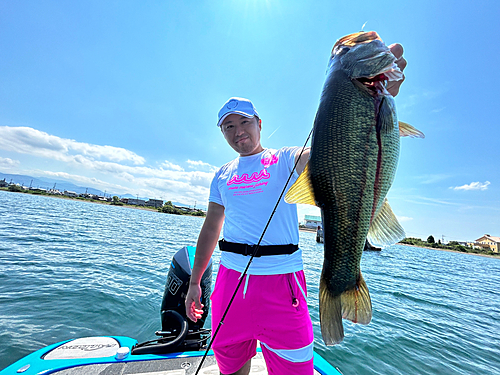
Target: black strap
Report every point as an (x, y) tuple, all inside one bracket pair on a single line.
[(244, 249)]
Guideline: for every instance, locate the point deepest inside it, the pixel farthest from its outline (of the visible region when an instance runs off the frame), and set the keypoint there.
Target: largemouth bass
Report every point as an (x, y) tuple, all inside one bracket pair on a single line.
[(353, 160)]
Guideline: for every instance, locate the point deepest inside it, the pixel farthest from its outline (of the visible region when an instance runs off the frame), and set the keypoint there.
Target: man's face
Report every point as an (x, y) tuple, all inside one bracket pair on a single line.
[(242, 134)]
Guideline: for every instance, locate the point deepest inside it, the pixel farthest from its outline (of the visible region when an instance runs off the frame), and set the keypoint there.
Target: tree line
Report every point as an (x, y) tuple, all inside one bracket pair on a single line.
[(167, 208), (452, 245)]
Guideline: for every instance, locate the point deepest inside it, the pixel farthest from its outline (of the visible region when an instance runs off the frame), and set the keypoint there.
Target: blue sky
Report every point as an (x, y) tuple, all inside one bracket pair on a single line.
[(123, 95)]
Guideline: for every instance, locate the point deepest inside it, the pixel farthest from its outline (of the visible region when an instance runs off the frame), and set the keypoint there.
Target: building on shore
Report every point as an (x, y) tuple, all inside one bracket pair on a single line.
[(487, 242), (311, 221), (38, 190), (136, 202), (154, 203)]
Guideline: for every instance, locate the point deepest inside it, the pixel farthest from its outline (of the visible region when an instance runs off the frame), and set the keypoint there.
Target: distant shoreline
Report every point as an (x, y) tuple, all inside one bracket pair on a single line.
[(452, 251), (302, 229), (144, 208), (423, 247)]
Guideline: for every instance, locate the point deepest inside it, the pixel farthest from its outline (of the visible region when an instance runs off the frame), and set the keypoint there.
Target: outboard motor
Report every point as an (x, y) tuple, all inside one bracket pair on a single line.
[(178, 333), (177, 286)]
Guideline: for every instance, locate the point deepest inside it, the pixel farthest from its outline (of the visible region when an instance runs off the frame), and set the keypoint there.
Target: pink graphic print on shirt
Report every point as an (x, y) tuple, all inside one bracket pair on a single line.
[(267, 162), (252, 184), (244, 179)]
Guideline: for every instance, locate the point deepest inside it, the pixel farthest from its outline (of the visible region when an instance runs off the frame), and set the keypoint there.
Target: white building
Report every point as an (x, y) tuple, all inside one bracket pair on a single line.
[(311, 221)]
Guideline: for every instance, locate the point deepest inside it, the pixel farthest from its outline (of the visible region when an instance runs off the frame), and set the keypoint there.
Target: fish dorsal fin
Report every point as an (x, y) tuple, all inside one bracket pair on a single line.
[(406, 130), (301, 191), (385, 229)]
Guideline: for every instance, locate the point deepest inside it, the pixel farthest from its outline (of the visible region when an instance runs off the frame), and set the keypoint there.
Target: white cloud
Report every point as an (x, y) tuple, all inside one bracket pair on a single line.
[(7, 163), (83, 181), (437, 110), (201, 165), (406, 103), (171, 166), (433, 178), (186, 188), (473, 186), (37, 143), (107, 168)]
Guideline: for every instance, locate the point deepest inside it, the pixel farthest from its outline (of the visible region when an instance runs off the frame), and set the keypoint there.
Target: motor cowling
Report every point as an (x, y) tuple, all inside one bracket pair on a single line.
[(177, 285), (178, 333)]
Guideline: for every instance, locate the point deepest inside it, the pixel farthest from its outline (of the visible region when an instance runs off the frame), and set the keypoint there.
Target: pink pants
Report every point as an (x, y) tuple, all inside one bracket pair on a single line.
[(271, 309)]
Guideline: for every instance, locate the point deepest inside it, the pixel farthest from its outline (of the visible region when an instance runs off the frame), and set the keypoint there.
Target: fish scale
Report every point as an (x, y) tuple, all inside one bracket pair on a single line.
[(352, 164)]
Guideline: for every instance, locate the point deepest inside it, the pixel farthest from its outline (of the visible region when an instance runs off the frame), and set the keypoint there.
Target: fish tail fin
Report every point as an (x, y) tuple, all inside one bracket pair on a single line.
[(330, 315), (357, 304), (354, 305)]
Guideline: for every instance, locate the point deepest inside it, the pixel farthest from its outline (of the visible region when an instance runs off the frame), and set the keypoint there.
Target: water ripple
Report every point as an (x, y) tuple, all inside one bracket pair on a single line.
[(70, 269)]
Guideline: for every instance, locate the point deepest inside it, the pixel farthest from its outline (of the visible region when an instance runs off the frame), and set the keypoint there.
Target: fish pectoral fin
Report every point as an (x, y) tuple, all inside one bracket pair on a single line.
[(330, 315), (385, 229), (356, 303), (406, 130), (385, 119), (301, 191)]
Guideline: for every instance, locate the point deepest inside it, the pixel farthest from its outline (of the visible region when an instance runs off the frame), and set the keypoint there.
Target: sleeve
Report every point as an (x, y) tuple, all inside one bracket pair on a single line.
[(290, 153), (215, 195)]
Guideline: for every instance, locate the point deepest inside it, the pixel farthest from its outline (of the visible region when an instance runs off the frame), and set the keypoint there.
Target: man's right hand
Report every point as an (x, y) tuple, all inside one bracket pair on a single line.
[(207, 240), (193, 305)]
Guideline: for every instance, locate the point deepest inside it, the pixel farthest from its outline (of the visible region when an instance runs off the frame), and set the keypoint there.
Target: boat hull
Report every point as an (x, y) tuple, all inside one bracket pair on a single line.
[(93, 355)]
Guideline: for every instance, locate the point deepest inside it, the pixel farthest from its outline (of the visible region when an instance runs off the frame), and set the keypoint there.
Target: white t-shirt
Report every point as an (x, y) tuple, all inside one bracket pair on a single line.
[(249, 187)]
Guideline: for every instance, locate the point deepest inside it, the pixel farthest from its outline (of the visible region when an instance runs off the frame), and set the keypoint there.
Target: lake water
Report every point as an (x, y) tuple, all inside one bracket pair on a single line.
[(70, 269)]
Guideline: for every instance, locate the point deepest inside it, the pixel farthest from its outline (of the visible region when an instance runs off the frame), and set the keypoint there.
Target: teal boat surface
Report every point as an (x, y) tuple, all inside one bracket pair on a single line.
[(108, 355)]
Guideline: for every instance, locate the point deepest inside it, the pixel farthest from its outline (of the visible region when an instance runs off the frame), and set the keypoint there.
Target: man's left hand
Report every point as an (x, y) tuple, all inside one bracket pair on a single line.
[(397, 51)]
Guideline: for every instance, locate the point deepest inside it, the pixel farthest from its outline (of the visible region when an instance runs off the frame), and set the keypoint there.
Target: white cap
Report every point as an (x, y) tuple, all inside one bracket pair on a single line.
[(240, 106)]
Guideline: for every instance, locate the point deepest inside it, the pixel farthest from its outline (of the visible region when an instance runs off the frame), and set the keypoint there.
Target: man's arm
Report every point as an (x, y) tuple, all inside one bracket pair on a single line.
[(304, 157), (207, 240)]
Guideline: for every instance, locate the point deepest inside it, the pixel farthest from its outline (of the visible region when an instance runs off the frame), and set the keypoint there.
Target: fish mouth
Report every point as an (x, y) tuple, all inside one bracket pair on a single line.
[(375, 85), (372, 65)]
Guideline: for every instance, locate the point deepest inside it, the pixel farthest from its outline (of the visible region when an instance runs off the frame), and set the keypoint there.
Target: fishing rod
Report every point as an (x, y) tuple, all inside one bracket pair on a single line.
[(253, 255)]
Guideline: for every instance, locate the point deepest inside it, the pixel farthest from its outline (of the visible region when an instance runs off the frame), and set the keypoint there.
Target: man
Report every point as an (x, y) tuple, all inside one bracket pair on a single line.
[(271, 306), (319, 234)]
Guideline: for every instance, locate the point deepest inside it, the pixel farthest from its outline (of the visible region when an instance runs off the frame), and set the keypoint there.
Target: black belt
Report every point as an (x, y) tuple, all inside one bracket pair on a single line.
[(244, 249)]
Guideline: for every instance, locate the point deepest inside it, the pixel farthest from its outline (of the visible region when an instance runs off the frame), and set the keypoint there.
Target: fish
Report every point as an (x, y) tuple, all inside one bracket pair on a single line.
[(353, 159)]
